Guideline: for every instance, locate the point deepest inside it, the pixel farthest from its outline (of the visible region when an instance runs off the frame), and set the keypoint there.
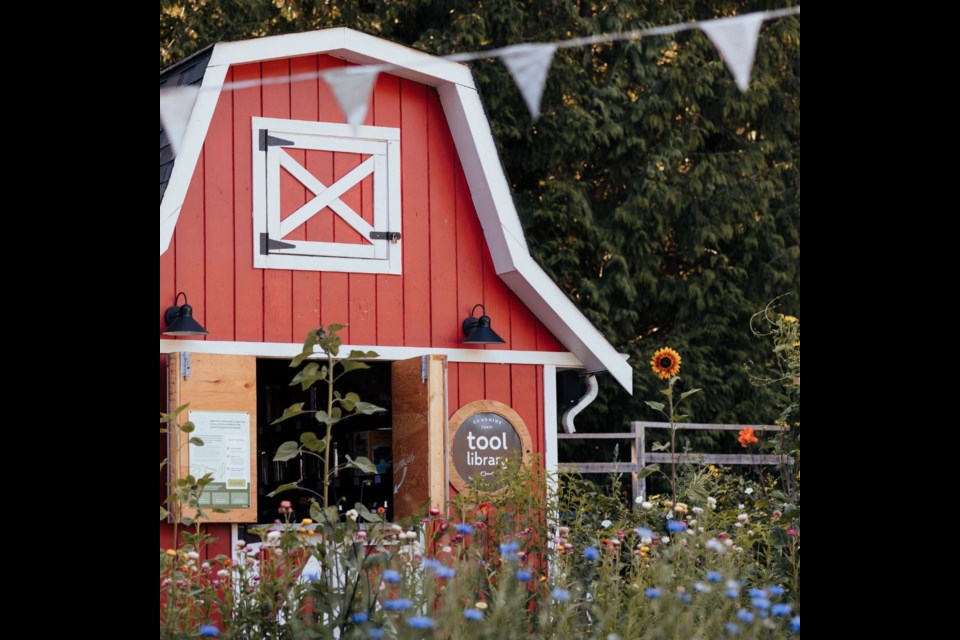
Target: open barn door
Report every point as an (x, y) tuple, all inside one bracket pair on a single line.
[(419, 399), (222, 393)]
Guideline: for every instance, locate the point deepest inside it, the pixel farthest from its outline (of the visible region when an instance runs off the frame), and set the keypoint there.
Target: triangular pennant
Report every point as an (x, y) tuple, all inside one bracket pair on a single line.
[(352, 87), (736, 40), (176, 105), (529, 64)]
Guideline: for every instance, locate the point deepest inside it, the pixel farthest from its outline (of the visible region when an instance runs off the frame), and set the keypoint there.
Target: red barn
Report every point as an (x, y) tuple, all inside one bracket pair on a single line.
[(277, 217)]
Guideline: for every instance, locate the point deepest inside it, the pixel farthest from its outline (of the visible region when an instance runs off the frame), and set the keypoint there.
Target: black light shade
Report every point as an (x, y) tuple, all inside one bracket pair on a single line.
[(180, 320), (478, 330)]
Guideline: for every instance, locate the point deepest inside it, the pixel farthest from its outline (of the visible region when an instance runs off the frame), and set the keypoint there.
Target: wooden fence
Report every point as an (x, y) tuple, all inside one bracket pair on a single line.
[(640, 457)]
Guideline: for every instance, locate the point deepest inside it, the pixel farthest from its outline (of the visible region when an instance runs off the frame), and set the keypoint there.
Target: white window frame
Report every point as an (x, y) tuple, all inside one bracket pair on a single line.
[(272, 250)]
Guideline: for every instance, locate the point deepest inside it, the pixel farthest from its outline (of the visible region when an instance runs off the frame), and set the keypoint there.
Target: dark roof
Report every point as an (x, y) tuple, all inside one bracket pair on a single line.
[(188, 71)]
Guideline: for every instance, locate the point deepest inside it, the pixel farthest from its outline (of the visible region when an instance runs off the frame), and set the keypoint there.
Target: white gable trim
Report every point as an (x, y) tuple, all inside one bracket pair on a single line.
[(475, 147)]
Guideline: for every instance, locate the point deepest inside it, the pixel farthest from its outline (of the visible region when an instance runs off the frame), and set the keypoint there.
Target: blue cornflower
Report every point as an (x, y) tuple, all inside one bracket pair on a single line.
[(795, 624), (591, 553), (524, 575), (780, 609), (430, 563), (760, 603), (391, 576), (714, 576), (209, 631), (652, 592), (676, 526), (375, 633), (733, 594), (473, 614), (311, 576), (757, 593), (643, 532), (507, 548), (700, 587), (560, 595), (360, 618), (731, 628), (685, 598), (446, 572), (396, 605), (420, 622), (775, 590), (464, 528), (744, 616)]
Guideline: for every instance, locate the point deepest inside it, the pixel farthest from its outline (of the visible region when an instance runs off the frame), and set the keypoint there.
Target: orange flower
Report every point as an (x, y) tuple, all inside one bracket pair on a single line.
[(665, 363), (746, 437)]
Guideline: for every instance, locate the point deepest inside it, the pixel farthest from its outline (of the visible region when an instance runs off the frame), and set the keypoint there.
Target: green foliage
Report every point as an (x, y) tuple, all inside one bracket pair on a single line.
[(665, 203)]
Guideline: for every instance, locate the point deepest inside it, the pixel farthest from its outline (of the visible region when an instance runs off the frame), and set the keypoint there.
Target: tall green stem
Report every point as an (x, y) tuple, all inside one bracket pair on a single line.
[(673, 445), (329, 434)]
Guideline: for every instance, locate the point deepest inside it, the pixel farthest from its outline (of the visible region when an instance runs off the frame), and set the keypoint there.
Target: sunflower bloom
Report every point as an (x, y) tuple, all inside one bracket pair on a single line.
[(665, 363), (746, 437)]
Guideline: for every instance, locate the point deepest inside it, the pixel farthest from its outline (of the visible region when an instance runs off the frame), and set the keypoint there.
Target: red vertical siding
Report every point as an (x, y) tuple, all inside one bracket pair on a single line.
[(218, 219)]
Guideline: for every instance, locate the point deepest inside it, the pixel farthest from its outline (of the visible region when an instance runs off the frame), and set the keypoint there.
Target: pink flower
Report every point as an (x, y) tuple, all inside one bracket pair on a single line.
[(792, 532)]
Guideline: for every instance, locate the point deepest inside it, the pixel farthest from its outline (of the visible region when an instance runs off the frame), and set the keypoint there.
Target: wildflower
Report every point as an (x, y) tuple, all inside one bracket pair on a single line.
[(273, 536), (361, 535), (360, 618), (396, 605), (240, 544), (743, 518), (731, 628), (777, 514), (391, 576), (643, 532), (420, 622), (790, 319), (792, 532), (193, 555), (311, 576), (776, 590), (746, 437), (697, 510), (760, 603), (733, 594), (481, 605), (715, 545), (665, 539), (757, 593), (711, 502), (508, 548), (434, 511), (780, 609), (285, 507), (306, 521), (652, 592), (564, 531), (676, 526), (463, 528), (700, 587), (209, 631), (560, 595), (685, 598), (681, 508), (375, 633), (665, 363), (795, 624), (352, 515), (668, 503), (381, 511), (606, 524), (728, 542), (446, 572), (591, 553), (646, 541), (748, 491), (744, 616), (473, 614), (646, 505), (524, 576)]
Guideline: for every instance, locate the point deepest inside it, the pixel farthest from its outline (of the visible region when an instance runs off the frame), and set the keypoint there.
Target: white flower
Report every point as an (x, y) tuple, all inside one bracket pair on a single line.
[(744, 518), (646, 505), (692, 521), (741, 507), (712, 502), (353, 515), (715, 545), (665, 539), (193, 555), (647, 540), (273, 536), (240, 544), (700, 529), (446, 549), (748, 490), (738, 525), (697, 510), (638, 499), (223, 573), (728, 542), (606, 524)]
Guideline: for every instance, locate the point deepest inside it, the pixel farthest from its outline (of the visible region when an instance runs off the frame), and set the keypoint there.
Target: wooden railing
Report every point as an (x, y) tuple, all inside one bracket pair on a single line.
[(640, 457)]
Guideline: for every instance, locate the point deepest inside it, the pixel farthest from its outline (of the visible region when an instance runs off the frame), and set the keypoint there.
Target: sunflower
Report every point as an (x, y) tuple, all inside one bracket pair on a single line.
[(665, 363)]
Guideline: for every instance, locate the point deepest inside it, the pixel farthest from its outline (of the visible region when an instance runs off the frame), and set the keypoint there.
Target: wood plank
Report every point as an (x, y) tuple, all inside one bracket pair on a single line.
[(415, 195), (523, 392), (546, 340), (189, 262), (471, 381), (277, 284), (306, 284), (248, 311), (218, 220), (470, 291), (445, 315), (496, 300), (216, 383), (168, 284), (391, 318), (418, 435), (362, 286)]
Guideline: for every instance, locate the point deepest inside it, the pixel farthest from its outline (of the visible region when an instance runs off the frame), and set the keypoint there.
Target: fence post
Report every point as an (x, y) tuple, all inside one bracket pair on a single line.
[(638, 457)]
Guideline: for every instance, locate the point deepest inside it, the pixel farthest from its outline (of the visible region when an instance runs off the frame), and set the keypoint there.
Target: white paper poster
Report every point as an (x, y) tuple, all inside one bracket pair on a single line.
[(225, 455)]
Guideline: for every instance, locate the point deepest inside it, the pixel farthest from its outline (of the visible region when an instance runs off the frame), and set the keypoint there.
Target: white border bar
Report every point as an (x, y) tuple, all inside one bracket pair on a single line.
[(290, 349)]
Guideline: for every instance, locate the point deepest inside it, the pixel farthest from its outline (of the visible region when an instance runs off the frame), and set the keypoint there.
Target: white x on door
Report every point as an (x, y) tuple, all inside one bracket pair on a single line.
[(379, 247)]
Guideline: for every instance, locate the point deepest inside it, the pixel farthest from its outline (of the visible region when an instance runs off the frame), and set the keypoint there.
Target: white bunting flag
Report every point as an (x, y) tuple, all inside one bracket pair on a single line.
[(528, 64), (352, 87), (736, 40), (176, 105)]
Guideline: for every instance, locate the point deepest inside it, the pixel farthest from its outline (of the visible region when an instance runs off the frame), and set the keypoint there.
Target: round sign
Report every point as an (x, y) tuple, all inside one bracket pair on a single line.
[(483, 434)]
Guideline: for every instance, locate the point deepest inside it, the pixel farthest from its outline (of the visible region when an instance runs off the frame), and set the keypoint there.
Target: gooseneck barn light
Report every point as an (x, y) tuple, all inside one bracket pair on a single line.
[(180, 320), (478, 330)]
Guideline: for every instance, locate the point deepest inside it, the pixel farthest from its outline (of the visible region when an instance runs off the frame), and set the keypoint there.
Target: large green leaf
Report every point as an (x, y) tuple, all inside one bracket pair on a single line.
[(287, 451), (687, 394), (353, 365), (362, 463), (367, 408), (310, 440), (648, 470), (284, 487), (164, 514), (290, 412), (366, 514), (658, 406)]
